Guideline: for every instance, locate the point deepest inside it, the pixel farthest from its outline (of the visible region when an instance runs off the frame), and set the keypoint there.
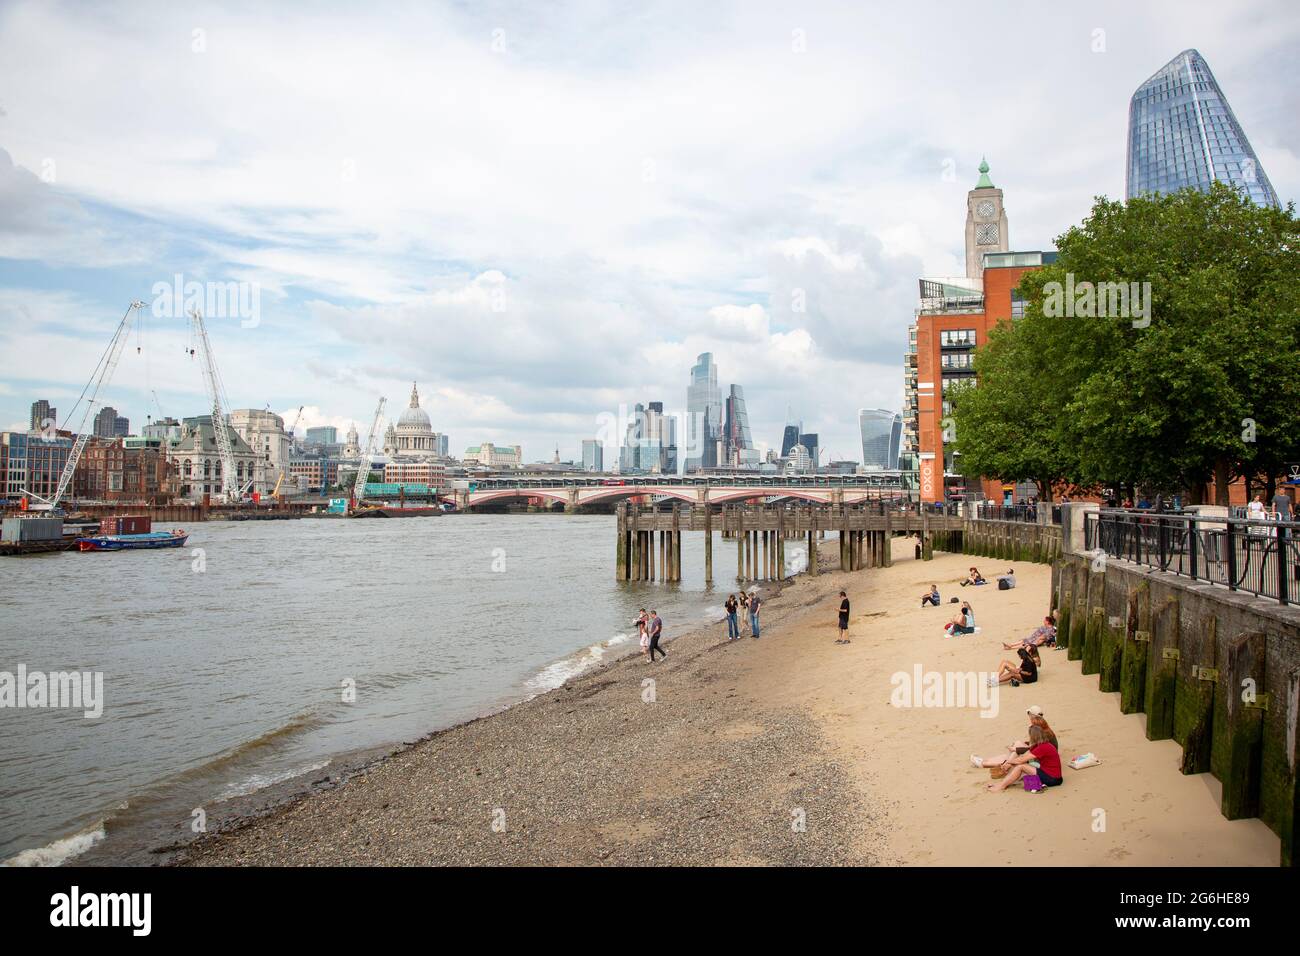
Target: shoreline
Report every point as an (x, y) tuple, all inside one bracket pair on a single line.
[(781, 751)]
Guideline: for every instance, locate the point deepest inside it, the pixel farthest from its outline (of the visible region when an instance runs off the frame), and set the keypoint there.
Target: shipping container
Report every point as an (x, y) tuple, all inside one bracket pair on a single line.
[(126, 524), (31, 529)]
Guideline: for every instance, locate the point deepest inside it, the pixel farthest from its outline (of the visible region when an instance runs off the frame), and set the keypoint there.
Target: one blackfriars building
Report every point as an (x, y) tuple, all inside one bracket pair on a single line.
[(1182, 132)]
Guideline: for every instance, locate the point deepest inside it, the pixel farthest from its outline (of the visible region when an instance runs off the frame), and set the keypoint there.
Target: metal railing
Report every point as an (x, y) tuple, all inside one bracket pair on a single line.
[(1258, 556), (1036, 513)]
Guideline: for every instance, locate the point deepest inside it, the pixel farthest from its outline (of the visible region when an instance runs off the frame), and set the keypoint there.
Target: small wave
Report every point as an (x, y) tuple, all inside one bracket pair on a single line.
[(260, 781), (557, 674), (60, 851)]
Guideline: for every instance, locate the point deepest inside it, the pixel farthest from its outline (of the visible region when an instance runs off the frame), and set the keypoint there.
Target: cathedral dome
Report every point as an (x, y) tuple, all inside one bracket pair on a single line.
[(414, 416)]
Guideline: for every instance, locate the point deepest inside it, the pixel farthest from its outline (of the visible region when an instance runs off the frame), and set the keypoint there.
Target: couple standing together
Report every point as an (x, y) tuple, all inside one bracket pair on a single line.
[(748, 602), (650, 627)]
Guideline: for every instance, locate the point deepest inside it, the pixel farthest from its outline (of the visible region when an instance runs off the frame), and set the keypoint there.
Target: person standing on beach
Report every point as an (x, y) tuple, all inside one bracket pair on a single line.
[(755, 605), (643, 633), (656, 630), (844, 619), (733, 627), (744, 604)]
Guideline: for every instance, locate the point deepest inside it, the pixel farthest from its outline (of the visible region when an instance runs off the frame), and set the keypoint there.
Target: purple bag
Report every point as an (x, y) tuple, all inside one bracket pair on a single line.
[(1033, 782)]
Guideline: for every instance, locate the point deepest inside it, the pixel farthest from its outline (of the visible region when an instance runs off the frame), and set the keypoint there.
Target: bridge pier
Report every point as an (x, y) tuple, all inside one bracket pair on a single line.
[(708, 544)]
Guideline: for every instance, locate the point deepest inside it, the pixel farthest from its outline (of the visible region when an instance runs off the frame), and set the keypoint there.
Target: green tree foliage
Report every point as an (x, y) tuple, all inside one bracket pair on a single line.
[(1203, 386)]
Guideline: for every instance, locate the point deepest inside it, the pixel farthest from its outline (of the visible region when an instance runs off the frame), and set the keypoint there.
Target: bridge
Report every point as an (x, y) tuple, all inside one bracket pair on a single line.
[(574, 493)]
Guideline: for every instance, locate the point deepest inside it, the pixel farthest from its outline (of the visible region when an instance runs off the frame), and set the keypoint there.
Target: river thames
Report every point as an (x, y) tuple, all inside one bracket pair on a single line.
[(228, 665)]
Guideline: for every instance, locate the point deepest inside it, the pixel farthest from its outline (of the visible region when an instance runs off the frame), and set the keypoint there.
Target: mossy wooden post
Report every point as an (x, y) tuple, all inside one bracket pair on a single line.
[(1162, 670), (1096, 623), (708, 543), (1287, 829), (889, 539), (1079, 614), (1194, 704), (620, 546), (1137, 638), (740, 546), (677, 543), (927, 549), (1245, 733), (812, 550)]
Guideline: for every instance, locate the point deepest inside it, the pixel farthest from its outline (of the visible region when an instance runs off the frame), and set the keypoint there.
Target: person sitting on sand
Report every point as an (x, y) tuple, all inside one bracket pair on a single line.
[(1025, 673), (1041, 750), (974, 578), (1007, 581), (963, 623), (1016, 748), (733, 626), (1045, 633), (844, 619), (931, 596)]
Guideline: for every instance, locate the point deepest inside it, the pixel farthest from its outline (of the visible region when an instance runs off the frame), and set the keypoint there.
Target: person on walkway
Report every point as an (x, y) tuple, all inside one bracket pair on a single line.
[(844, 619), (1282, 505), (733, 627), (643, 631), (755, 605), (1256, 508), (656, 631)]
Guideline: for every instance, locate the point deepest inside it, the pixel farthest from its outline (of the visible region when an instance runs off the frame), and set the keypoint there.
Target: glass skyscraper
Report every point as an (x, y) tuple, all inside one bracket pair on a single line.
[(882, 432), (1182, 132), (703, 415), (741, 452)]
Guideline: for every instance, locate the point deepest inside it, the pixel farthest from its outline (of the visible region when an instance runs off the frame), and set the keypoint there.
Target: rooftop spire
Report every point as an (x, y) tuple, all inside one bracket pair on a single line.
[(415, 396), (985, 182)]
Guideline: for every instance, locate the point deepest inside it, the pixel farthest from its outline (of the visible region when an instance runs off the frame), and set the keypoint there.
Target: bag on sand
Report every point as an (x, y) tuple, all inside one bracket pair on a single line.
[(998, 772), (1004, 584), (1033, 782)]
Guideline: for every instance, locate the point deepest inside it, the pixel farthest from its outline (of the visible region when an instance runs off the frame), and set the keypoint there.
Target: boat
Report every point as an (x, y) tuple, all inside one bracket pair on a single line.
[(35, 534), (130, 533), (131, 542)]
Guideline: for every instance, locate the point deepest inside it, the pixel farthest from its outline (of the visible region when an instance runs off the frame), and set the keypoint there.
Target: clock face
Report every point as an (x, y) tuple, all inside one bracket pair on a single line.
[(986, 234), (985, 209)]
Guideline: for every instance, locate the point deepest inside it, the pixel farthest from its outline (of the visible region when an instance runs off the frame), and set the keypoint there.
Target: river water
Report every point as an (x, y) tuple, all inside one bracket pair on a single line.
[(226, 664)]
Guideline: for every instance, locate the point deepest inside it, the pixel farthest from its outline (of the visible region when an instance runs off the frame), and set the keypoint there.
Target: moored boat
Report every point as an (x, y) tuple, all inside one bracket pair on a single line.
[(131, 542)]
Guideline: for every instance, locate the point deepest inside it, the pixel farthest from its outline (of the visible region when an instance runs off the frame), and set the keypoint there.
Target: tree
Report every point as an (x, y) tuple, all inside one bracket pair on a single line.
[(1194, 380)]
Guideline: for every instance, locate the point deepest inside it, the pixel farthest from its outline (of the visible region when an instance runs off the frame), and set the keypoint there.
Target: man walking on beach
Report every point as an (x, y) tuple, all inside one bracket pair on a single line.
[(755, 605), (844, 619), (656, 629)]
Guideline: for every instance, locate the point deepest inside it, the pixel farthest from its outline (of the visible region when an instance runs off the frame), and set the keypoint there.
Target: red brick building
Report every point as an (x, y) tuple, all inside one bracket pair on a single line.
[(124, 469)]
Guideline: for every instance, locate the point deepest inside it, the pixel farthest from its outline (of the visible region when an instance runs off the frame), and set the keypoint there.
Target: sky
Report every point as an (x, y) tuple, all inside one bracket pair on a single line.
[(543, 213)]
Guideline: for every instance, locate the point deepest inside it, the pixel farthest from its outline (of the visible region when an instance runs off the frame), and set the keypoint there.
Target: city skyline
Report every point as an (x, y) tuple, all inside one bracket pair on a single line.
[(372, 272)]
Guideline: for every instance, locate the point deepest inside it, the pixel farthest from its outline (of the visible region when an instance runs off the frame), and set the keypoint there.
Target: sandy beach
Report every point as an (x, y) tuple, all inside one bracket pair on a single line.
[(784, 750)]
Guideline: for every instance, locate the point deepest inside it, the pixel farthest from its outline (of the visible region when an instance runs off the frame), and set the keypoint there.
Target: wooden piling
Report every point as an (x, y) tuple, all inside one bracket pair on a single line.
[(1162, 670), (1194, 704), (1247, 702), (1137, 639), (708, 544)]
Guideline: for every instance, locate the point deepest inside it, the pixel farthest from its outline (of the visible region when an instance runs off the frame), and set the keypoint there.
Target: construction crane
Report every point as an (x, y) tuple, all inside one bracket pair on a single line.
[(363, 467), (284, 469), (230, 492), (98, 379)]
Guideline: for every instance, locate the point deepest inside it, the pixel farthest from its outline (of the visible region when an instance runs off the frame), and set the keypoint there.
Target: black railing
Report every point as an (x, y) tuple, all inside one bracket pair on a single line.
[(1029, 513), (1257, 556)]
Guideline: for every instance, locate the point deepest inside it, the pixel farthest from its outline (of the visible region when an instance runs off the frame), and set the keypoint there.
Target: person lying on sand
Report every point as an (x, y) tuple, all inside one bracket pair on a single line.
[(1018, 747), (1024, 673), (1041, 750), (974, 578), (1045, 633)]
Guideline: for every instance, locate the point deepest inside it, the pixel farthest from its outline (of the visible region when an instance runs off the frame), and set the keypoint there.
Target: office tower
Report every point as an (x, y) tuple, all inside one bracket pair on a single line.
[(105, 422), (651, 442), (121, 427), (740, 451), (43, 415), (323, 435), (881, 430), (809, 442), (789, 439), (593, 455), (1182, 132), (703, 414)]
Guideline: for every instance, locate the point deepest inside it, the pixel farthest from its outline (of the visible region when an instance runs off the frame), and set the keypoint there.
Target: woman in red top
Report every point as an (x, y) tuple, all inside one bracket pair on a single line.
[(1040, 749)]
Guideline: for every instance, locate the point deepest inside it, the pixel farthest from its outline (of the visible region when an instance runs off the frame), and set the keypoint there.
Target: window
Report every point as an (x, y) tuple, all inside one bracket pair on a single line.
[(957, 338)]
